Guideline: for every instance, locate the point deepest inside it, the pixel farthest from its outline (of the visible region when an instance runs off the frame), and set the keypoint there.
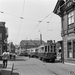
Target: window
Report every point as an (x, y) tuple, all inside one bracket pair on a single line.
[(45, 48), (71, 17), (54, 48), (48, 49), (74, 48), (0, 49), (51, 48), (0, 36), (69, 49)]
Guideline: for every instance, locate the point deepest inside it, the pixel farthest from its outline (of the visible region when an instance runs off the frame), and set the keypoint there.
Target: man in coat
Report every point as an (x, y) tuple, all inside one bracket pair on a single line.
[(5, 57)]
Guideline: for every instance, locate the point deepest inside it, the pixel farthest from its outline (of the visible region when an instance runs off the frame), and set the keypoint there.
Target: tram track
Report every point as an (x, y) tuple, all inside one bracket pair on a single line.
[(47, 69), (51, 71), (35, 70), (61, 70), (41, 68), (68, 70)]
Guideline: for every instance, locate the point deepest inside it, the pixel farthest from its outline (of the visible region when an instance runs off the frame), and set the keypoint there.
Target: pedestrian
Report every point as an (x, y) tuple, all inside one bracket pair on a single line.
[(5, 57)]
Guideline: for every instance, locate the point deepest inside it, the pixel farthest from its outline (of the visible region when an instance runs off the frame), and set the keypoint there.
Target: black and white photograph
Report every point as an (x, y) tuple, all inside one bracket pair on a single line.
[(37, 37)]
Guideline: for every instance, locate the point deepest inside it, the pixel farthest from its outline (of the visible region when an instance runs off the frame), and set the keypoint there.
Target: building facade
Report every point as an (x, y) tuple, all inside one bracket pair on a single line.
[(26, 44), (66, 10), (3, 37)]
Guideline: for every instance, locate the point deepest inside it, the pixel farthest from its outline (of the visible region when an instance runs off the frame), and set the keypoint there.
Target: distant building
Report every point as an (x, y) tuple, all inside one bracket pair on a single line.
[(11, 47), (66, 10), (30, 43)]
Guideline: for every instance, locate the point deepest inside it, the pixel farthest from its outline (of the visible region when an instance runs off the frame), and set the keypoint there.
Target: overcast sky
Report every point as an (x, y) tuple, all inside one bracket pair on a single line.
[(32, 11)]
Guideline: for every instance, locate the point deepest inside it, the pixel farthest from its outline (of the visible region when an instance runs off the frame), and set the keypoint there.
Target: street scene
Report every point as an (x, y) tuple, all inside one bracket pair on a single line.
[(37, 37), (33, 66)]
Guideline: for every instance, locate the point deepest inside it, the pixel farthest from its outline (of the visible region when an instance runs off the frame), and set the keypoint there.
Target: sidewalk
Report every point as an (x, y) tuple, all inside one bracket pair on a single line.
[(69, 63), (5, 71)]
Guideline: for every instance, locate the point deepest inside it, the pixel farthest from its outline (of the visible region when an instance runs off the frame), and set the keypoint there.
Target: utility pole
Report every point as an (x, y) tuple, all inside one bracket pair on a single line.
[(40, 37), (26, 44)]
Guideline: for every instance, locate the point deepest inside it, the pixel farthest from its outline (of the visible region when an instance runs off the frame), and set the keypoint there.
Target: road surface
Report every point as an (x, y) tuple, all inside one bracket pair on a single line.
[(34, 66)]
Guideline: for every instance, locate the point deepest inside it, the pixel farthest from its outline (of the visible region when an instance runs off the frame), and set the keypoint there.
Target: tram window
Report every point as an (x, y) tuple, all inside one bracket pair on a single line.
[(42, 48), (51, 48), (54, 48), (59, 50), (48, 48), (45, 48)]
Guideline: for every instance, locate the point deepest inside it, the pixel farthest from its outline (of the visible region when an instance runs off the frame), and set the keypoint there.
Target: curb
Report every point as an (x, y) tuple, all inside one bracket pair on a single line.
[(7, 71), (12, 69), (69, 63)]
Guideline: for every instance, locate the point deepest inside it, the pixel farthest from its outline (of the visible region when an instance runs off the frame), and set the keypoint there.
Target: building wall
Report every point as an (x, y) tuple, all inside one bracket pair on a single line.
[(3, 37), (65, 47), (64, 21), (67, 28), (68, 36)]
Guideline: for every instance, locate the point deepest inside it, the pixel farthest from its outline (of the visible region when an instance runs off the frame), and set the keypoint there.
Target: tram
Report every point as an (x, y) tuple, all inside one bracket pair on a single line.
[(32, 52), (47, 51)]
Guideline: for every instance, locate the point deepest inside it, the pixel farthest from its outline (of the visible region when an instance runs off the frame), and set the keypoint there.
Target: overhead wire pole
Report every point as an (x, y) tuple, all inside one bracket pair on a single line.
[(40, 37)]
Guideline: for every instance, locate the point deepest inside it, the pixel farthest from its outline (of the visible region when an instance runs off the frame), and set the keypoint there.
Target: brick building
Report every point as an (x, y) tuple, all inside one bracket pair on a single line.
[(66, 10), (26, 44)]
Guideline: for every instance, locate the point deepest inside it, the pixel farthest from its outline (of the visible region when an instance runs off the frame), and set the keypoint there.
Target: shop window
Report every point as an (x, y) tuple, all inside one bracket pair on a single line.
[(0, 36), (69, 49), (73, 48)]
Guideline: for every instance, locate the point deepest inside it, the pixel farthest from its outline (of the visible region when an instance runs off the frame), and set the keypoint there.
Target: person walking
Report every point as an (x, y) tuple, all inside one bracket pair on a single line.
[(5, 57)]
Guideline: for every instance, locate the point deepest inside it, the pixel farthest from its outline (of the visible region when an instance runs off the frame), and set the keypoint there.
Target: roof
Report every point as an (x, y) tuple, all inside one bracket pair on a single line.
[(59, 3), (31, 42)]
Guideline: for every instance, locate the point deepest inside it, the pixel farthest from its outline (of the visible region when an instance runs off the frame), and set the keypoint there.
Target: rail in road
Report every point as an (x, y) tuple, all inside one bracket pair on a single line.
[(37, 67)]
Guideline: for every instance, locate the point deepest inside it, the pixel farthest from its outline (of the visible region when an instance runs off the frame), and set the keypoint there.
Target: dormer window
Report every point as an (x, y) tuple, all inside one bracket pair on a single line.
[(71, 17)]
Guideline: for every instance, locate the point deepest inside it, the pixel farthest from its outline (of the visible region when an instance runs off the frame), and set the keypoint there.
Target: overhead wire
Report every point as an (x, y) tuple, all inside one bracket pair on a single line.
[(22, 18), (53, 15), (20, 21), (33, 30), (39, 23), (9, 14), (48, 22)]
